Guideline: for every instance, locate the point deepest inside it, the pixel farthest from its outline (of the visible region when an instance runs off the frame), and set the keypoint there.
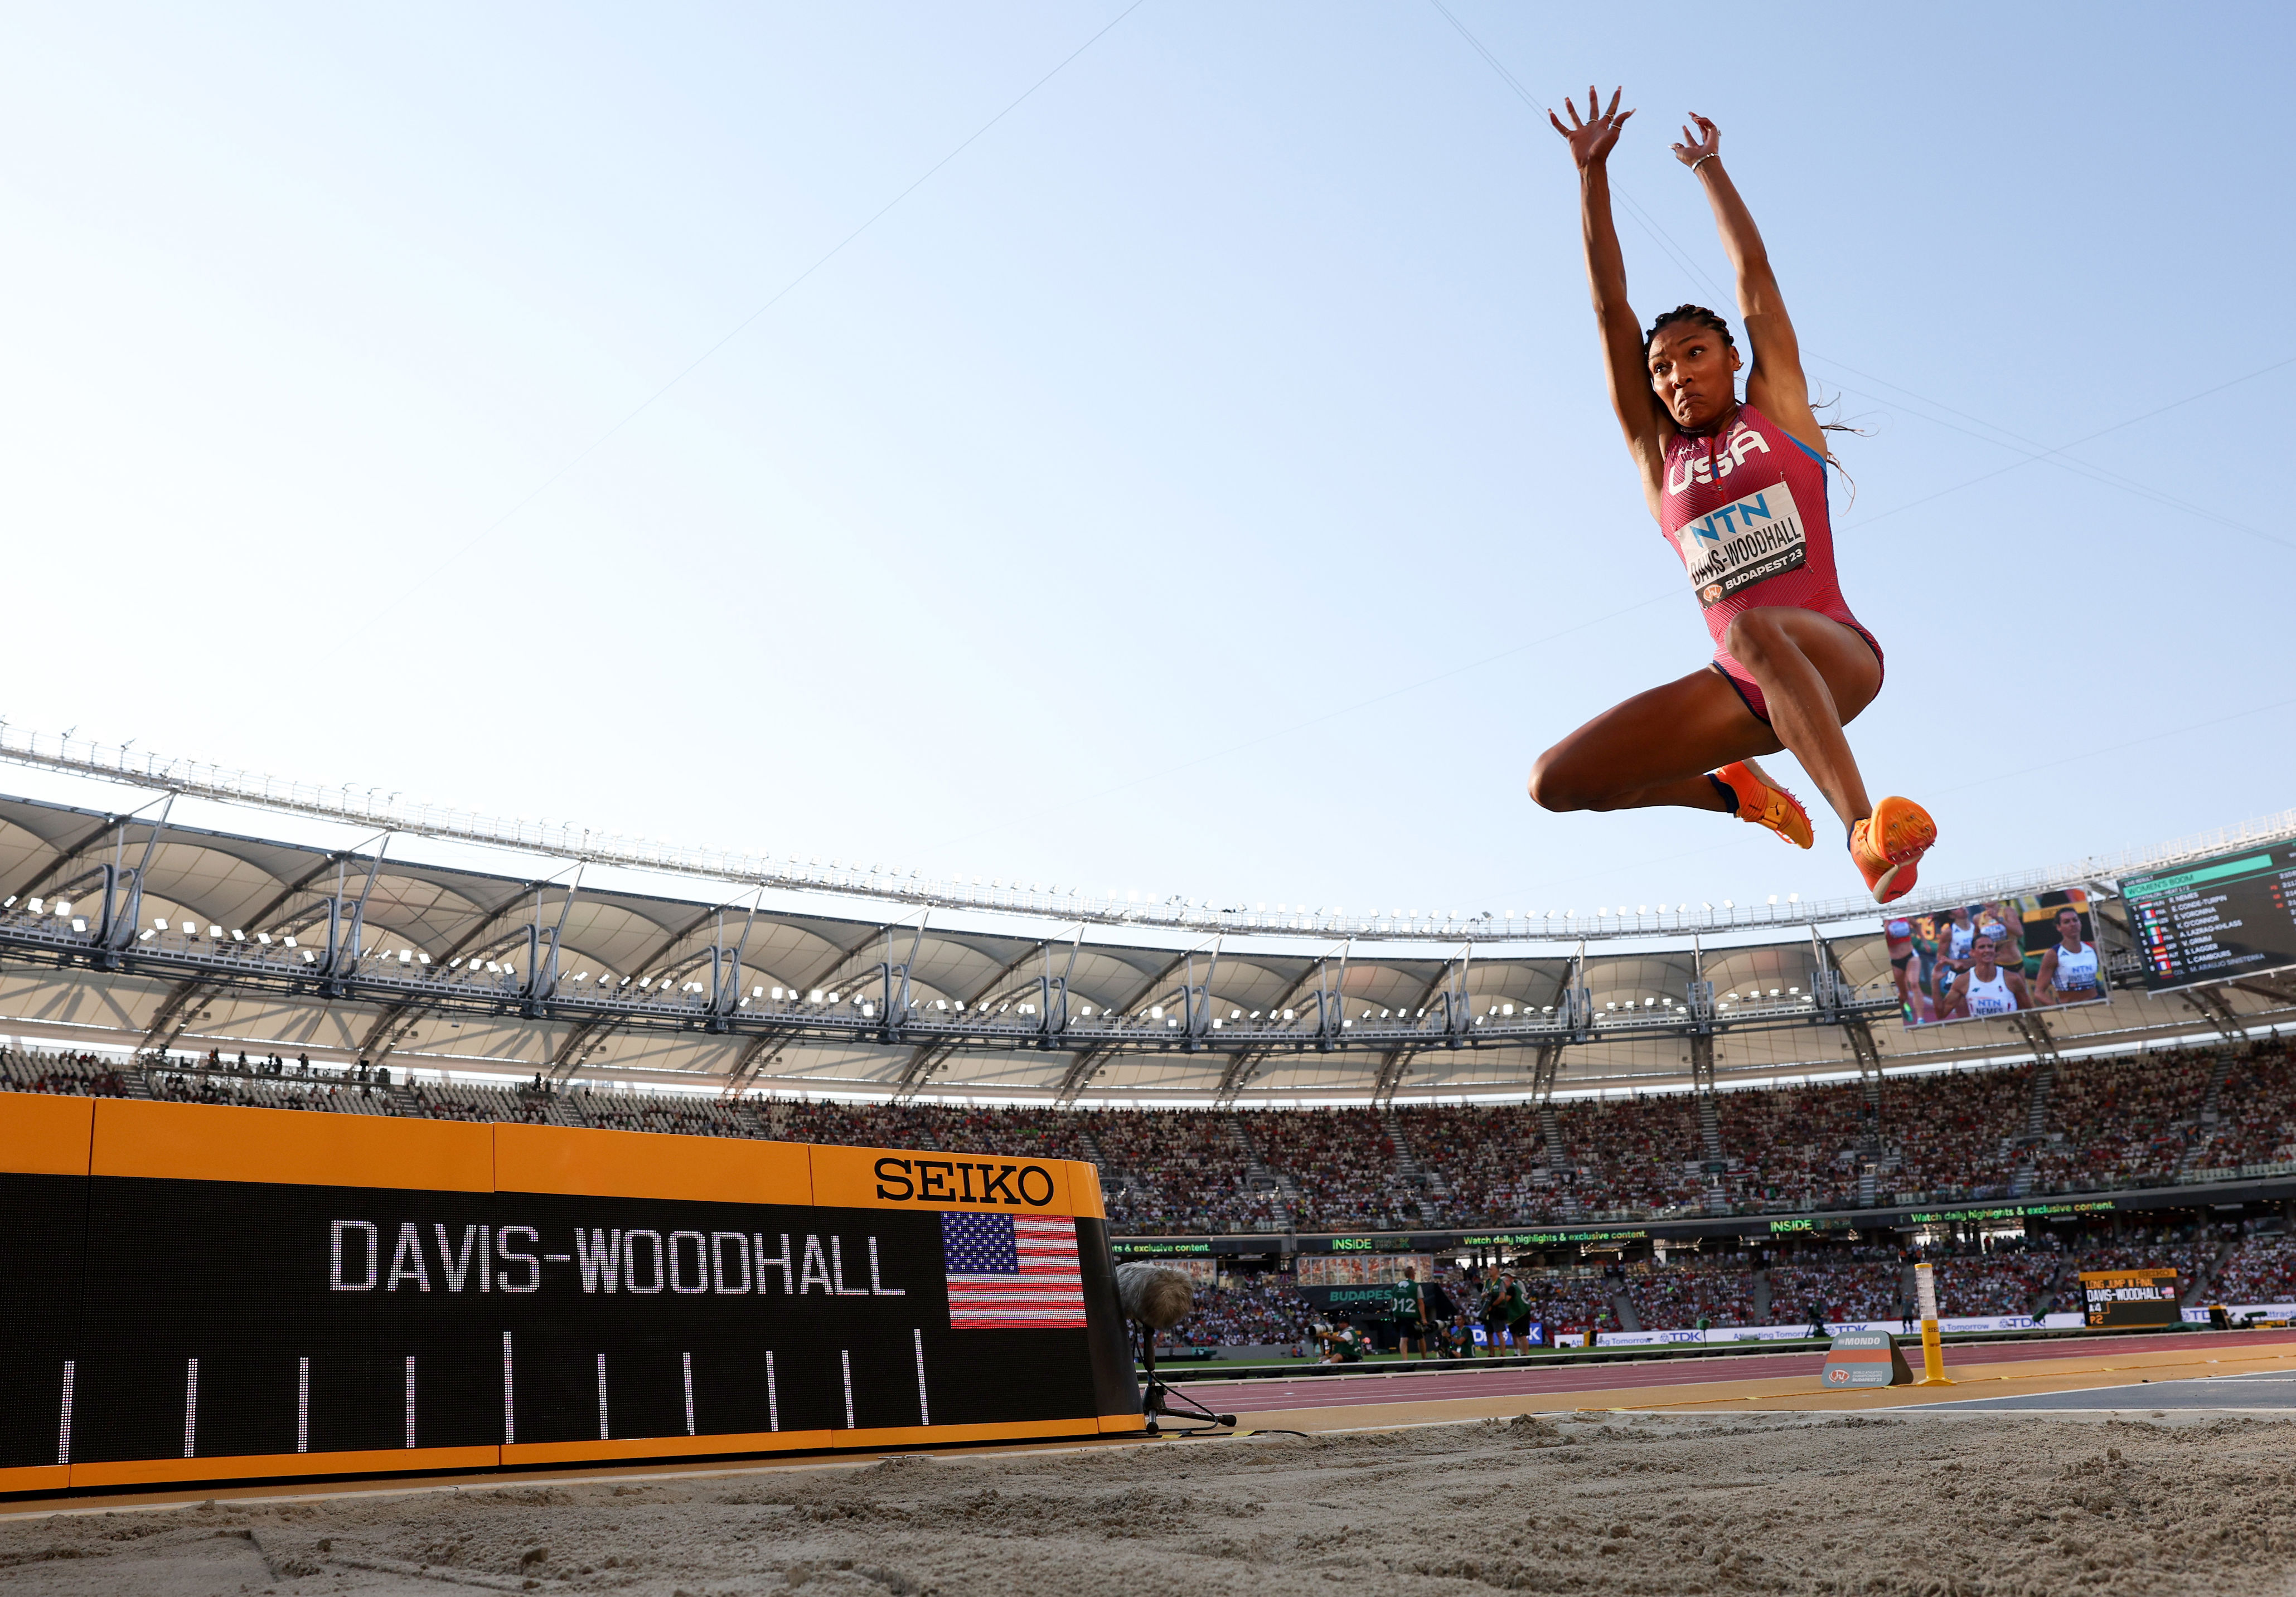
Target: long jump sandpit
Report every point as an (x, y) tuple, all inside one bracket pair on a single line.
[(1703, 1475)]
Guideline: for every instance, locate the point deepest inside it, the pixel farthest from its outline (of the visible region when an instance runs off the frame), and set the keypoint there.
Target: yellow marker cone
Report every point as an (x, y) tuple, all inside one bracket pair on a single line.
[(1933, 1348)]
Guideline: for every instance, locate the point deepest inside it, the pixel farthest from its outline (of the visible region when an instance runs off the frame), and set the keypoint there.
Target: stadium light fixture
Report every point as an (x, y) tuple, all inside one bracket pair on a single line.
[(34, 905), (159, 925), (289, 941), (79, 924)]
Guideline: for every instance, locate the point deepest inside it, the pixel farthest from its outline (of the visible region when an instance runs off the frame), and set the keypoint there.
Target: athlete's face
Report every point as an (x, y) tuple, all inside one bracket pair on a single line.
[(1981, 953), (1693, 372), (2069, 926)]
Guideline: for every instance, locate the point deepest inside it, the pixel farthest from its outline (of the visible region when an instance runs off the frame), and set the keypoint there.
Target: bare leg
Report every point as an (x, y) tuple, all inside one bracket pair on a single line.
[(1656, 748), (1815, 674), (1653, 750)]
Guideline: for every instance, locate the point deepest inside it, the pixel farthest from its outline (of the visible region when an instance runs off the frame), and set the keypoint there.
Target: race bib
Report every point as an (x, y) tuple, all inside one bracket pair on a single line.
[(1747, 541)]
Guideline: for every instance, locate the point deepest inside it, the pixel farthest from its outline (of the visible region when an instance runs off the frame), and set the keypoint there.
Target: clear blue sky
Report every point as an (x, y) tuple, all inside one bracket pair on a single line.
[(1152, 498)]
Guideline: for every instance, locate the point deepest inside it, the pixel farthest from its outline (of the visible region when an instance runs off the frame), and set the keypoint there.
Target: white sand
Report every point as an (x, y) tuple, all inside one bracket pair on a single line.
[(1638, 1506)]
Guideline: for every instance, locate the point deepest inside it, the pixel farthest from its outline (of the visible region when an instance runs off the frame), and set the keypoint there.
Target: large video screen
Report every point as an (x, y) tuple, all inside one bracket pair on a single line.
[(2223, 917), (1995, 957)]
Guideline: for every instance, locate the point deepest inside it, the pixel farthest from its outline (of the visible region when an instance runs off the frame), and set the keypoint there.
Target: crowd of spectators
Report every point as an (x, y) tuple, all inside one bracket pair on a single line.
[(80, 1075), (2256, 1111), (1954, 1133), (2261, 1270), (947, 1127), (1799, 1147), (1248, 1311), (1994, 1283), (1936, 1136), (1491, 1161), (2121, 1121), (1341, 1164), (445, 1100), (1677, 1295), (1837, 1290), (1166, 1171)]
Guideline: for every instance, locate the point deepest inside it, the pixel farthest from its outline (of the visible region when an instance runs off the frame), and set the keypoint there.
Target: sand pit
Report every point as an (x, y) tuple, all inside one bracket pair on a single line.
[(1884, 1504)]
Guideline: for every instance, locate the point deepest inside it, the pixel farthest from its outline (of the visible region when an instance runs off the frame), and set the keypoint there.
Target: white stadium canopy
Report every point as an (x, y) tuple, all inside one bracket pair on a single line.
[(544, 949)]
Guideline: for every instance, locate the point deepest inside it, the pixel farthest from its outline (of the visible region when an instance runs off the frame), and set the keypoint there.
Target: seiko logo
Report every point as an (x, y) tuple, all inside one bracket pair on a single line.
[(1696, 466), (952, 1180)]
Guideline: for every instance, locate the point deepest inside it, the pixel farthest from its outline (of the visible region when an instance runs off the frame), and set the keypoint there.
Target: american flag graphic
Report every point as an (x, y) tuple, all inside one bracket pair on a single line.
[(1008, 1272)]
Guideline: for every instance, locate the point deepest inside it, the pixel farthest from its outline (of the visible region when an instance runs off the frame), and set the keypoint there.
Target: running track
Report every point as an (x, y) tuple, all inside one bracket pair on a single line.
[(1336, 1391)]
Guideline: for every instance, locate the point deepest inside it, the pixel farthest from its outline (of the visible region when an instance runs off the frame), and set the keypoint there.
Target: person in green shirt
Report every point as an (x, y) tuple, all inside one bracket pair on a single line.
[(1518, 1315), (1408, 1312)]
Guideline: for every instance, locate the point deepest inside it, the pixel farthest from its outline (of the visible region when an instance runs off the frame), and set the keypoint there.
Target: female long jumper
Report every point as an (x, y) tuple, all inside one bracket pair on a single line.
[(1738, 487)]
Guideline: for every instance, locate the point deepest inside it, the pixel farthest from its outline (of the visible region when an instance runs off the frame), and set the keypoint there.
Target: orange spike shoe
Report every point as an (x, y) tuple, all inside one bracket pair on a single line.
[(1888, 846), (1764, 803)]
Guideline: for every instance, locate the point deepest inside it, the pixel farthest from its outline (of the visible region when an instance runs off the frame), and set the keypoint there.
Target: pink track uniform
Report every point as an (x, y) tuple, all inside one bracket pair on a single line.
[(1746, 512)]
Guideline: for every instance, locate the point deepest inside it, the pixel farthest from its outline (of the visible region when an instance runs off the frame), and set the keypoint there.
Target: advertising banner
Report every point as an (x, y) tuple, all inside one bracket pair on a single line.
[(194, 1292), (1833, 1328)]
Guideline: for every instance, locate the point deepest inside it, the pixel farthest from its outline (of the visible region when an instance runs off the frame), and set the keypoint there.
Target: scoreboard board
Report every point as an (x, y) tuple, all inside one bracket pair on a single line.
[(195, 1292), (2223, 917)]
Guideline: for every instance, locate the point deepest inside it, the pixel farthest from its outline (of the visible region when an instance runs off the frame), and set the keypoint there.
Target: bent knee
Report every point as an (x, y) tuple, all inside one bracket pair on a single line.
[(1754, 637), (1555, 785)]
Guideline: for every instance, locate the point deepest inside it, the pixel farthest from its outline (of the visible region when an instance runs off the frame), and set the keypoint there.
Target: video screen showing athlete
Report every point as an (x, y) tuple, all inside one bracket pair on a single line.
[(2069, 966), (2069, 970), (1986, 988), (1738, 487)]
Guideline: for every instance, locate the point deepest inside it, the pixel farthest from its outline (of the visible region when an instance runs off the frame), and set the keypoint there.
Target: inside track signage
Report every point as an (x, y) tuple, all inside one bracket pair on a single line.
[(178, 1326)]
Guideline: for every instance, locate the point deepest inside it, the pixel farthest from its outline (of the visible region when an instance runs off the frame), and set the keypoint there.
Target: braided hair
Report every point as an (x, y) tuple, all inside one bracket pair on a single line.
[(1696, 314)]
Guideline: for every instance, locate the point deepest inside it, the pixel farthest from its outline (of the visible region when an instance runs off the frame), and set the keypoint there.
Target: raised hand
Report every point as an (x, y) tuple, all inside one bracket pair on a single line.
[(1697, 147), (1591, 140)]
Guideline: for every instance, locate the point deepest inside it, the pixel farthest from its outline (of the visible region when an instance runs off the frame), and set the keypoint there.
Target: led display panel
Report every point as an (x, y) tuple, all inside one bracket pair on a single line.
[(2219, 918), (1995, 957)]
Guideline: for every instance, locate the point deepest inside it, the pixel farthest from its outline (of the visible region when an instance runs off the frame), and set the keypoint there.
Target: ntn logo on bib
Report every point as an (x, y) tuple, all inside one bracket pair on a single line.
[(1747, 541)]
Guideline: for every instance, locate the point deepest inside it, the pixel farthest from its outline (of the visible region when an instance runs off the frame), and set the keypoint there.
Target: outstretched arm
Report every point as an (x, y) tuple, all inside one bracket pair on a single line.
[(1776, 386), (1645, 421)]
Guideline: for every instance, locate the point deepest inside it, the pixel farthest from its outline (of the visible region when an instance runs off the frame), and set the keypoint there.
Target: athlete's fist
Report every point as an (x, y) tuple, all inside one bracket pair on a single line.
[(1697, 147), (1591, 140)]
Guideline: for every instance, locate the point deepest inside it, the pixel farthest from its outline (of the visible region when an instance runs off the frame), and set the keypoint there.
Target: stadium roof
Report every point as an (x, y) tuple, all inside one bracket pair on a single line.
[(908, 889), (441, 966)]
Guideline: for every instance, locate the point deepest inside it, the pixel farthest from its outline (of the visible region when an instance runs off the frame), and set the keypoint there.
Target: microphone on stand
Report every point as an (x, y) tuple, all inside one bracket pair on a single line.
[(1157, 1297)]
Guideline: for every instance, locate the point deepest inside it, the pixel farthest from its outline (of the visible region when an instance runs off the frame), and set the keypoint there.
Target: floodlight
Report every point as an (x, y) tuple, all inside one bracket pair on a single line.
[(79, 924), (290, 942), (817, 996), (216, 933), (238, 936), (190, 930), (159, 925), (62, 906)]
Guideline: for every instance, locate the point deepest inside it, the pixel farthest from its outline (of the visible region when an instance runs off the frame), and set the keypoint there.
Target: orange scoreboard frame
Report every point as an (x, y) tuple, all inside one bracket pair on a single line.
[(194, 1292)]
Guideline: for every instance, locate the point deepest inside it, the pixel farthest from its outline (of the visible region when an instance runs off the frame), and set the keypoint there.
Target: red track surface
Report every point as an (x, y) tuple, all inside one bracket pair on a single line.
[(1335, 1391)]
